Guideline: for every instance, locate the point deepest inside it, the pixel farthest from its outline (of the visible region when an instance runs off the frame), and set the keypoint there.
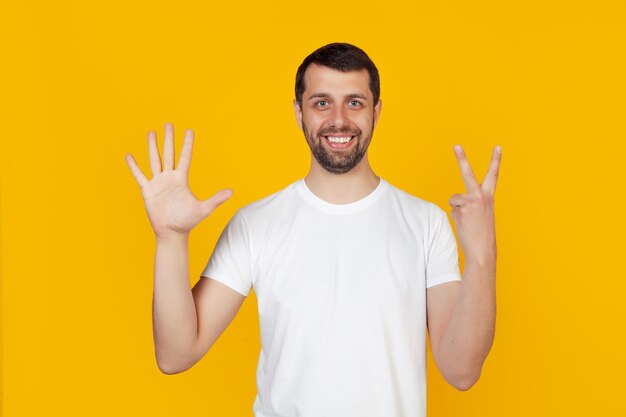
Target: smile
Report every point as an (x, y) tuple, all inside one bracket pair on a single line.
[(339, 142), (339, 139)]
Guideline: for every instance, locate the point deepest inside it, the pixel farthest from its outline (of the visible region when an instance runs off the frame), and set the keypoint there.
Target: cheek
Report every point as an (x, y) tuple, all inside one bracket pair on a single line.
[(364, 122), (313, 123)]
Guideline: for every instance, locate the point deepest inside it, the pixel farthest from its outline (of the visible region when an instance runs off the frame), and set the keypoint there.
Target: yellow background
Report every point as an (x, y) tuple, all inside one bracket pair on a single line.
[(82, 82)]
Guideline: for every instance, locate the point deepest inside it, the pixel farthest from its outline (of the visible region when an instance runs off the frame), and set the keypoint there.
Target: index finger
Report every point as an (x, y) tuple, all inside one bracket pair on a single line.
[(469, 178)]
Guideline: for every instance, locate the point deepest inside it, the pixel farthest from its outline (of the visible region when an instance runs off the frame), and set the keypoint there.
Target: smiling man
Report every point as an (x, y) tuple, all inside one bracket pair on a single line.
[(350, 272), (340, 118)]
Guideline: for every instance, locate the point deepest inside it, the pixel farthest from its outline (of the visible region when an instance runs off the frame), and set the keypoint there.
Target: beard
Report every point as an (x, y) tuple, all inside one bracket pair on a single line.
[(339, 161)]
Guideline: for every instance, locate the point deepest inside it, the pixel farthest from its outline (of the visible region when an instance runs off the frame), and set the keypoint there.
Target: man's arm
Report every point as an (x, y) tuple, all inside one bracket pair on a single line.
[(462, 316), (186, 322), (174, 319), (461, 324)]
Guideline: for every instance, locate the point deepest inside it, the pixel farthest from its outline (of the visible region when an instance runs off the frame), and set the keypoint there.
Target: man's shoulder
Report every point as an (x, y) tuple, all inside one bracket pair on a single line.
[(272, 203), (411, 201)]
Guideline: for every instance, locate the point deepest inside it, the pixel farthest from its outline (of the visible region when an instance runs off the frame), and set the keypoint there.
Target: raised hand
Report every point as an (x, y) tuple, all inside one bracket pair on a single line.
[(473, 212), (172, 208)]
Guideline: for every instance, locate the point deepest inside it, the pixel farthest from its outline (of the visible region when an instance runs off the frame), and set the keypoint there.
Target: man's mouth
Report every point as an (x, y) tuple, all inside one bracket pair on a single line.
[(339, 142)]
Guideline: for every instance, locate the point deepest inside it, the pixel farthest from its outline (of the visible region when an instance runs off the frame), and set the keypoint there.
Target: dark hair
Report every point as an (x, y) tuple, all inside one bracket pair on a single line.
[(341, 57)]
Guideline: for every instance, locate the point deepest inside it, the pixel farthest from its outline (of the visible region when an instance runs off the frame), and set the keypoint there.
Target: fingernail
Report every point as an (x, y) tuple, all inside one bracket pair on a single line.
[(498, 149), (458, 148)]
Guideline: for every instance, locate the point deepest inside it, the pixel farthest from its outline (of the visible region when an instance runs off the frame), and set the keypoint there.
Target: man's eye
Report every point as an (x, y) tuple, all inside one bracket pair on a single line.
[(322, 103), (355, 103)]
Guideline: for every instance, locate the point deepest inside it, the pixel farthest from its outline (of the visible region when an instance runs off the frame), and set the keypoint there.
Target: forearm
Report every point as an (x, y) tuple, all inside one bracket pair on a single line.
[(173, 309), (470, 331)]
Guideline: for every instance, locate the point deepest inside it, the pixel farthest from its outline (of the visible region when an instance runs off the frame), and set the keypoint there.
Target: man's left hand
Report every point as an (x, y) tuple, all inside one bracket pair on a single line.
[(473, 212)]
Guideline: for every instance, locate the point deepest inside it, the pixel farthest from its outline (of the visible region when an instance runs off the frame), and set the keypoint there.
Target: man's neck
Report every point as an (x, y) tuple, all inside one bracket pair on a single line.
[(342, 188)]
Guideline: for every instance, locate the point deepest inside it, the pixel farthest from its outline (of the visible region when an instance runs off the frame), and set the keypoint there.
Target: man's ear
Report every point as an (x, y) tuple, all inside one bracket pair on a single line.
[(377, 108), (298, 111)]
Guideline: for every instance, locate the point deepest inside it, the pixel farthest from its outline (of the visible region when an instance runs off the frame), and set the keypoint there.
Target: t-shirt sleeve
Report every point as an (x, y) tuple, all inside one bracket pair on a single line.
[(231, 261), (443, 257)]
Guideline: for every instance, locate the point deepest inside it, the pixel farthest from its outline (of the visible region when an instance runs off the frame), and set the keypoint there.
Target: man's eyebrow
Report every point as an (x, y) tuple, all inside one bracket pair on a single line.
[(325, 95)]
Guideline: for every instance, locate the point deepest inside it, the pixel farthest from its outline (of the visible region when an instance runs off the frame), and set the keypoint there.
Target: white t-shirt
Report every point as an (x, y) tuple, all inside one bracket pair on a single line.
[(341, 292)]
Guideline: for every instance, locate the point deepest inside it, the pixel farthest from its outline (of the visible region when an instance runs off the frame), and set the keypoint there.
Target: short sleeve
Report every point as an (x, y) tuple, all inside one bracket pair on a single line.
[(231, 262), (443, 257)]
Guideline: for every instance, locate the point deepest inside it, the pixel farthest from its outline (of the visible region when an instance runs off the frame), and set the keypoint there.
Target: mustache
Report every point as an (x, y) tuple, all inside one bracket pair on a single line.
[(339, 132)]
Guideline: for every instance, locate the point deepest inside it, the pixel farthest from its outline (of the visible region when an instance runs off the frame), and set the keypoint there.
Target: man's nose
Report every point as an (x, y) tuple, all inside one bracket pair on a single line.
[(339, 116)]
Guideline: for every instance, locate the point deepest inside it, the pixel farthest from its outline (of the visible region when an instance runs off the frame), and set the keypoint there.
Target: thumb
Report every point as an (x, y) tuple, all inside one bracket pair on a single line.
[(218, 198)]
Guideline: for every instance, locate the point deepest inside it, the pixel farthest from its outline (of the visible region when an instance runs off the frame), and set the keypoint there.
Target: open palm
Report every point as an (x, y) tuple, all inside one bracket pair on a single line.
[(172, 208)]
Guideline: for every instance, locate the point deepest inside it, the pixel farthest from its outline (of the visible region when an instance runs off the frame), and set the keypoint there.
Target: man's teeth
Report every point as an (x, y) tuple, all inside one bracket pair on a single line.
[(339, 139)]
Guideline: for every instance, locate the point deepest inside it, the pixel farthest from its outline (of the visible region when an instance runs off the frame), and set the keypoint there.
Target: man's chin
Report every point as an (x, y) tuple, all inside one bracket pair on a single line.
[(336, 161), (334, 165), (337, 170)]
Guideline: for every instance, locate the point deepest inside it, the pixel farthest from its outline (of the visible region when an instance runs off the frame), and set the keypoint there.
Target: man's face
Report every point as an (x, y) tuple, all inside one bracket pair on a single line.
[(337, 106)]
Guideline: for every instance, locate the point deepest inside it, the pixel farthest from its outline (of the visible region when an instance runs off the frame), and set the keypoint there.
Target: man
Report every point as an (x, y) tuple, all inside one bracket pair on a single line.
[(349, 271)]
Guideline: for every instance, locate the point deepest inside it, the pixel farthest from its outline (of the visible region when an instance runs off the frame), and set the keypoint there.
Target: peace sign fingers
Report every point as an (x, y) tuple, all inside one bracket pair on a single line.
[(472, 186), (489, 184)]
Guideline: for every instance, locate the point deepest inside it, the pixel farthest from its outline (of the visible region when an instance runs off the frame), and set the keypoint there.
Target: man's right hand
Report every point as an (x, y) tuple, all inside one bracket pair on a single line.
[(172, 208)]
